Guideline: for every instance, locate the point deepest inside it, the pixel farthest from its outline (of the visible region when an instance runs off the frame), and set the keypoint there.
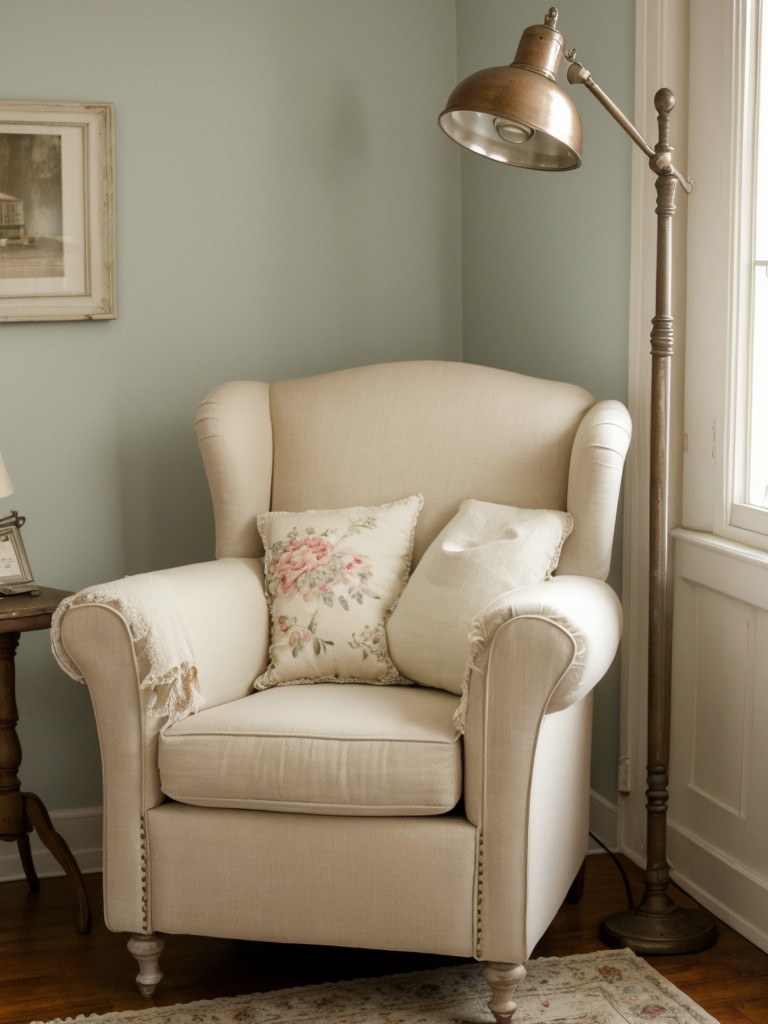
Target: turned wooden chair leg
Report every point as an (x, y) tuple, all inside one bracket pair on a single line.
[(147, 949), (503, 980)]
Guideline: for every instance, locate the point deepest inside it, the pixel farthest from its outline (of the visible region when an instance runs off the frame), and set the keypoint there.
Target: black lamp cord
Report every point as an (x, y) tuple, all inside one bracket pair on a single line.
[(622, 872)]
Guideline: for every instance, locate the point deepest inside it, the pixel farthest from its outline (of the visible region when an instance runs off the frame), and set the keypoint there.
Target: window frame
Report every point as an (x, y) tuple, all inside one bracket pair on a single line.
[(723, 52)]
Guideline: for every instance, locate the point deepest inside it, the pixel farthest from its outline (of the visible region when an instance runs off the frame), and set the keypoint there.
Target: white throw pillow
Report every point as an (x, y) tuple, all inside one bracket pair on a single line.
[(332, 577), (485, 551)]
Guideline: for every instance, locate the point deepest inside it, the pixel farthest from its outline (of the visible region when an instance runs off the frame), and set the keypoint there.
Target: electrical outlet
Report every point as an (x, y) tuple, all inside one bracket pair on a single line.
[(624, 775)]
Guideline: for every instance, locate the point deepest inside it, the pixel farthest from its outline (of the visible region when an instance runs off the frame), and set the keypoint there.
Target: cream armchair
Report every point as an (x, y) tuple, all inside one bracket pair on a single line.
[(359, 815)]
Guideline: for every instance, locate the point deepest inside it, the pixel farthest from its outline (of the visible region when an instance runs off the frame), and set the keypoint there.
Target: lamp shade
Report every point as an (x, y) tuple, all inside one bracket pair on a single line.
[(6, 487), (518, 114)]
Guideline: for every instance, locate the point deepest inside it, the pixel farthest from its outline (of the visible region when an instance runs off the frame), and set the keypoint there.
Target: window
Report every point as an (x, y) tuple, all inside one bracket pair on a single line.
[(725, 489), (757, 466)]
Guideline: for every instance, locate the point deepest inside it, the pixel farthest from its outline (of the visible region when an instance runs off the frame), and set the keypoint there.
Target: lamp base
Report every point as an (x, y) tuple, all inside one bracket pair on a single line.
[(675, 930)]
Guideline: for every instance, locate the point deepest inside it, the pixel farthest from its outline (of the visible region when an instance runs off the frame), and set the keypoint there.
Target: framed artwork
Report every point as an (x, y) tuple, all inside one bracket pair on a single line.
[(57, 219), (15, 574)]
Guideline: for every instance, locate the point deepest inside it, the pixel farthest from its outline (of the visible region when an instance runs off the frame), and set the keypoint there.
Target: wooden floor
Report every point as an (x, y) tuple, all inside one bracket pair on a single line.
[(47, 970)]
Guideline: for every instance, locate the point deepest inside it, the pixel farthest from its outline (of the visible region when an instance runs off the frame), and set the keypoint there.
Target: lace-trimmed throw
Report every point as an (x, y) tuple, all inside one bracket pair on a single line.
[(162, 651)]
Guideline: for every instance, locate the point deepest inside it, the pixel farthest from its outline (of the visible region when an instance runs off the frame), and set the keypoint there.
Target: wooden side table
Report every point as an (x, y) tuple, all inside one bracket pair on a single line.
[(21, 812)]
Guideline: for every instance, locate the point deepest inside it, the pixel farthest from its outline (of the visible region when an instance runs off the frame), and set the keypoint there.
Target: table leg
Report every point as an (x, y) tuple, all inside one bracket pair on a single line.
[(38, 818), (27, 863), (11, 806), (21, 812)]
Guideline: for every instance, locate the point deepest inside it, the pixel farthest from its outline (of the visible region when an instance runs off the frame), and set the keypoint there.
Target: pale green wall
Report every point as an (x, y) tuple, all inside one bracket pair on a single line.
[(285, 205), (545, 256)]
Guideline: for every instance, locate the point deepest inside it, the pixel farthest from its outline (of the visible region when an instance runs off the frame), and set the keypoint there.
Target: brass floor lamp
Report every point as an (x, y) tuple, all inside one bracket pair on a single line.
[(520, 116)]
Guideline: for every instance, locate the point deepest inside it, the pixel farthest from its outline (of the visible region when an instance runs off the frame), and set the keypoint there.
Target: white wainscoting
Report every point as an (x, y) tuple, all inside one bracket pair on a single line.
[(82, 831), (718, 811), (603, 822)]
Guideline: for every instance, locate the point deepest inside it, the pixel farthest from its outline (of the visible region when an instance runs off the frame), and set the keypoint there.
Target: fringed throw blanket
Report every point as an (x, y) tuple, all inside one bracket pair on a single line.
[(163, 654)]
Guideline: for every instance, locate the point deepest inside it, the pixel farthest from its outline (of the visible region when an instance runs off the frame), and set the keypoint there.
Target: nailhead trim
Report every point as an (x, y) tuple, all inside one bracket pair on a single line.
[(479, 921), (144, 891)]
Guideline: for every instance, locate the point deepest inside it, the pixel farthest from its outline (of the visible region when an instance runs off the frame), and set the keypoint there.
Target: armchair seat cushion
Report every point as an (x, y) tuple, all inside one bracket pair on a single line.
[(319, 749)]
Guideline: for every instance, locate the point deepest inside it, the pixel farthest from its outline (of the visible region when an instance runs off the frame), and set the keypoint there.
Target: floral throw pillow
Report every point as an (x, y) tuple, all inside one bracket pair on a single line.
[(332, 578)]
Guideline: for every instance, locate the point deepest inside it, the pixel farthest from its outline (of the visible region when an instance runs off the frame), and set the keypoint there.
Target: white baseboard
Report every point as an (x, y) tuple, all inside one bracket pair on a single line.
[(80, 829), (711, 878), (603, 822)]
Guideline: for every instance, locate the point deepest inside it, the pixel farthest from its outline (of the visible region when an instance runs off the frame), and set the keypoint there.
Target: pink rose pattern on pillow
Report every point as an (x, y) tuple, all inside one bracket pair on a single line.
[(316, 568), (331, 579)]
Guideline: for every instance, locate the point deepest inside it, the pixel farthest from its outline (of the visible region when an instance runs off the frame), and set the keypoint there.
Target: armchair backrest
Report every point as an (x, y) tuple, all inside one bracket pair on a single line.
[(447, 430)]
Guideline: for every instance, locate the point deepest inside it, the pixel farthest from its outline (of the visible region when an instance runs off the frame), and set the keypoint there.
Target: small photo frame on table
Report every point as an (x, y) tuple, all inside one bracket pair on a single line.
[(57, 218), (15, 573)]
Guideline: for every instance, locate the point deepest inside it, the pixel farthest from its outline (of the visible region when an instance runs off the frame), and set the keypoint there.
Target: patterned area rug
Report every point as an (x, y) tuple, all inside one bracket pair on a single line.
[(610, 987)]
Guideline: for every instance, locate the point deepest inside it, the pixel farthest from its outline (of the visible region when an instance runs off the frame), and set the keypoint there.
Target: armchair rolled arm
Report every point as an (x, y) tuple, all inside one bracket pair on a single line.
[(207, 622), (101, 637), (537, 654), (585, 609)]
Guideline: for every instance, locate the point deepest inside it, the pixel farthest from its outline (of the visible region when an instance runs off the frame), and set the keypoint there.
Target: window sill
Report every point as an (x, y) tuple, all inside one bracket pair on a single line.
[(724, 566), (723, 545)]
